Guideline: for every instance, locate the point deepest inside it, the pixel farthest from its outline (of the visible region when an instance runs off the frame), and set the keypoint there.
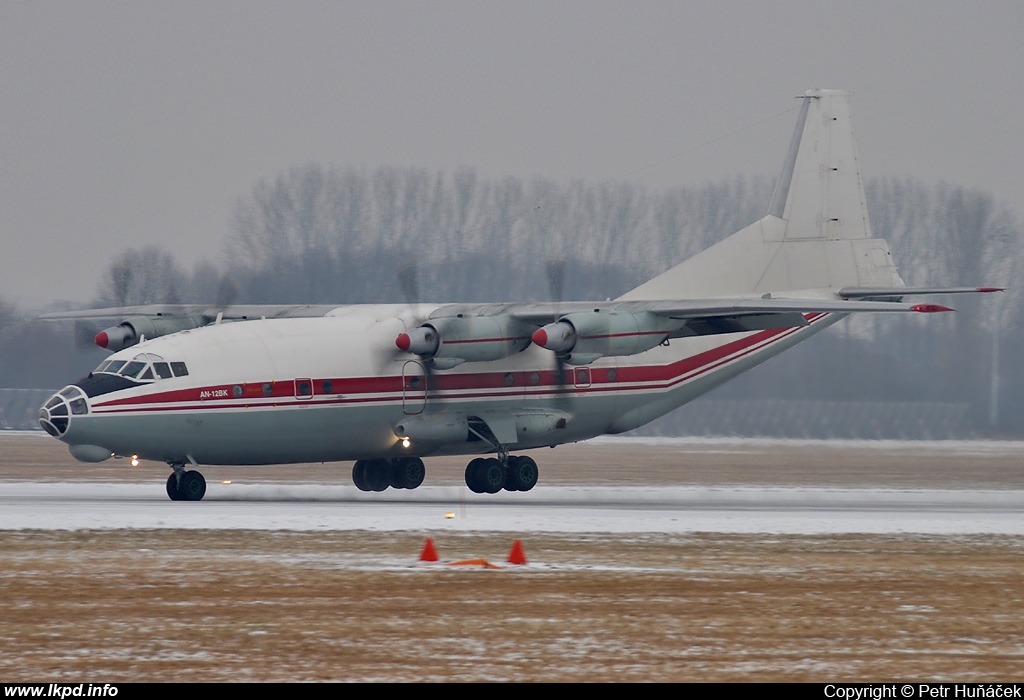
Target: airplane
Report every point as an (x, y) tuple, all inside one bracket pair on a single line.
[(388, 385)]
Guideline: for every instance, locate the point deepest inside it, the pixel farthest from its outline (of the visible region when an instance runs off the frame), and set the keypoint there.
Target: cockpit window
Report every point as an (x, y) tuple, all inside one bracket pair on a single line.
[(132, 369), (145, 367)]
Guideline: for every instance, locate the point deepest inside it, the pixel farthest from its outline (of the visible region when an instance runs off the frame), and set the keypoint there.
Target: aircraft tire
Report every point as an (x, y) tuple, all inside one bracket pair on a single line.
[(473, 480), (359, 475), (492, 475), (522, 473), (408, 473), (192, 486), (377, 474), (172, 487)]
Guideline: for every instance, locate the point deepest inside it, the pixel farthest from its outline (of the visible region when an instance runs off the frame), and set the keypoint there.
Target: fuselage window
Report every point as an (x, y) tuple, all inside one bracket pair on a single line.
[(163, 370), (268, 389), (328, 387), (179, 369), (303, 388)]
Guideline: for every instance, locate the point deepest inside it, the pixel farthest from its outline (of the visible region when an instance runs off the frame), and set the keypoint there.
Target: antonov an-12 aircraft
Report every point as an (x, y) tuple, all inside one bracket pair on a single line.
[(389, 385)]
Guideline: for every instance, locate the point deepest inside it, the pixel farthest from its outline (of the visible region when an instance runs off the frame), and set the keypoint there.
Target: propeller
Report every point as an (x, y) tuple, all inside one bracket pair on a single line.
[(555, 271), (418, 341), (121, 282), (227, 292), (86, 332), (85, 335)]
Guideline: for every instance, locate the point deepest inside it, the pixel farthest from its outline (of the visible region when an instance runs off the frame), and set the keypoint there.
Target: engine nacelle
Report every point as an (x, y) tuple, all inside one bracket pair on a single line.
[(586, 337), (131, 330), (451, 341)]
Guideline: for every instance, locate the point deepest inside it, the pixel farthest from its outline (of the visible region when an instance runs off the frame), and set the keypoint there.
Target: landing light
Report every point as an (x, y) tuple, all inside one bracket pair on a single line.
[(135, 460), (406, 442)]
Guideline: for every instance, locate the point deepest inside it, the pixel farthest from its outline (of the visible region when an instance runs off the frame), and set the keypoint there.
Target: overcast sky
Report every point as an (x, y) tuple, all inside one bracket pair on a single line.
[(129, 123)]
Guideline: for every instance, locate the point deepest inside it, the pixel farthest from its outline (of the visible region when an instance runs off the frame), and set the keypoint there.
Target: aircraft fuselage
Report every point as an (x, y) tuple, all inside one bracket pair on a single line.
[(335, 388)]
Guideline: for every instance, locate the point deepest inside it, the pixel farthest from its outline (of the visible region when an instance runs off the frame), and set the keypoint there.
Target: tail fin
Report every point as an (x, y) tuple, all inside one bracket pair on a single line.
[(816, 236)]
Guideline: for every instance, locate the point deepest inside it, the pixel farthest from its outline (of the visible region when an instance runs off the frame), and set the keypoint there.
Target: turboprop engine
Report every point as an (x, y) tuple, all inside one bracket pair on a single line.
[(132, 330), (452, 341), (586, 337)]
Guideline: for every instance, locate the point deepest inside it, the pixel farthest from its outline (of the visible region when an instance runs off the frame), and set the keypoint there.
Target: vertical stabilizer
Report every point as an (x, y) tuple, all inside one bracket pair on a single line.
[(820, 193), (816, 236)]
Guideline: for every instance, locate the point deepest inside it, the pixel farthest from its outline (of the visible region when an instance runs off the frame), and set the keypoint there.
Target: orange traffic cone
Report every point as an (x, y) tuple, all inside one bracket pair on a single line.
[(428, 553), (516, 556)]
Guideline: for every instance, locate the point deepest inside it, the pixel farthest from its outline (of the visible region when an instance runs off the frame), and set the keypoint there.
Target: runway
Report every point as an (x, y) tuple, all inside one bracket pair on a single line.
[(671, 486), (554, 509)]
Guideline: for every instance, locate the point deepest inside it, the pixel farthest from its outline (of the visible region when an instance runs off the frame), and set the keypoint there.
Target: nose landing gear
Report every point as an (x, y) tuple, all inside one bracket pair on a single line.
[(185, 485)]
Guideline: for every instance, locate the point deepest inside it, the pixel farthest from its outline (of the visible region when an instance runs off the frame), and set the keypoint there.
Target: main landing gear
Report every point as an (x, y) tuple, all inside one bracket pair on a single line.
[(490, 475), (185, 485), (379, 474)]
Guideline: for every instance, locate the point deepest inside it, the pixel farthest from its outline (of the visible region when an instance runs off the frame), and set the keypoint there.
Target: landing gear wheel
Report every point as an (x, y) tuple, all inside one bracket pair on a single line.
[(492, 475), (172, 487), (522, 474), (192, 486), (359, 475), (473, 480), (407, 473), (377, 474)]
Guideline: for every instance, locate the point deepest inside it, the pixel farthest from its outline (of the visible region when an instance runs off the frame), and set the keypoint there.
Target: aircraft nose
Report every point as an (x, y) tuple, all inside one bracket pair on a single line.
[(55, 415)]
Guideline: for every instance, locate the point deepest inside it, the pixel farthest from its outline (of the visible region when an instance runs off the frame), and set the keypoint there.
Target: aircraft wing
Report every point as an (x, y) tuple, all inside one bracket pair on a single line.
[(234, 312), (543, 312), (133, 323), (676, 318), (683, 317)]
